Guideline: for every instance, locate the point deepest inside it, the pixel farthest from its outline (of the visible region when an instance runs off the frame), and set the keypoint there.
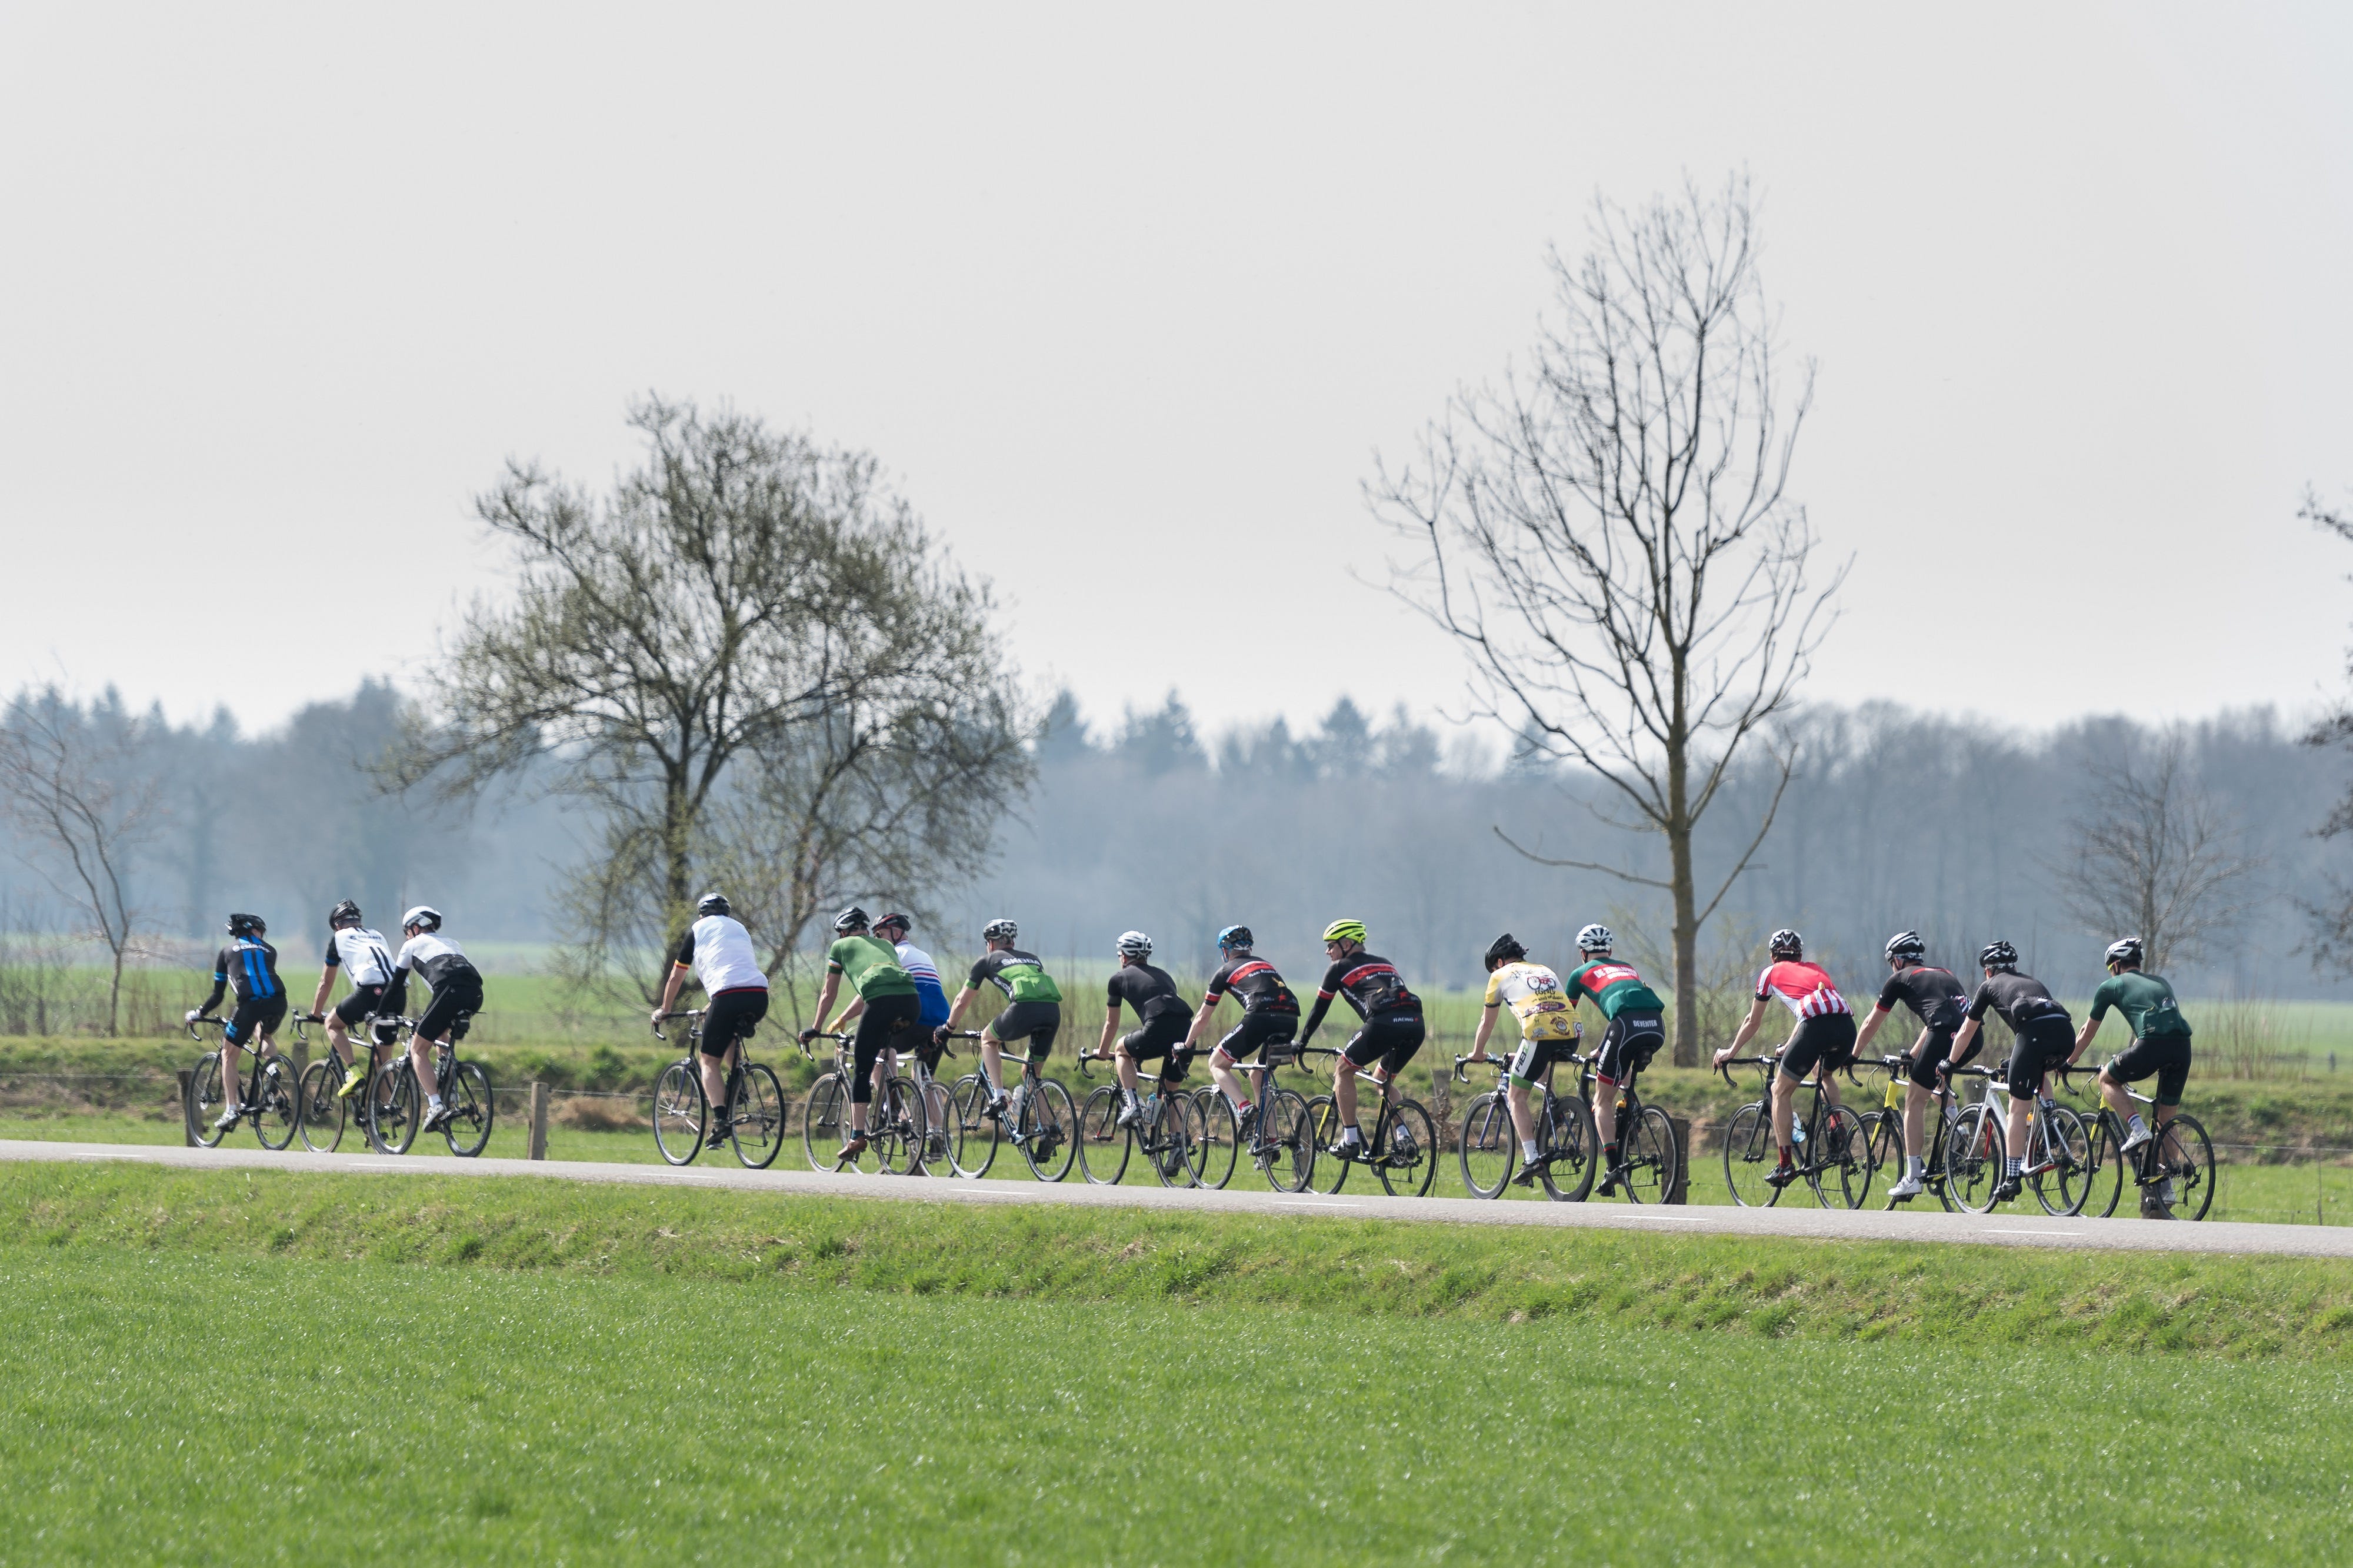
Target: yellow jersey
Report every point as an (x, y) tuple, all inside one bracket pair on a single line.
[(1535, 996)]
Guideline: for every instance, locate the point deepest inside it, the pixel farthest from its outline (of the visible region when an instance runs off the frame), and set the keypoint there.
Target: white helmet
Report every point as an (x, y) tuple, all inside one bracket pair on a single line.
[(424, 915), (1595, 939), (1134, 944)]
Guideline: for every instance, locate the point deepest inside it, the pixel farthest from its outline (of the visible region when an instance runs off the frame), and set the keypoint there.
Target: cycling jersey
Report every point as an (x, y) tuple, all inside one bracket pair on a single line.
[(2021, 1000), (1017, 974), (873, 965), (1615, 988), (1255, 985), (927, 976), (1535, 998), (2147, 1001), (1372, 988), (247, 966), (1804, 988), (1934, 996), (362, 955), (719, 950), (435, 957), (1149, 990)]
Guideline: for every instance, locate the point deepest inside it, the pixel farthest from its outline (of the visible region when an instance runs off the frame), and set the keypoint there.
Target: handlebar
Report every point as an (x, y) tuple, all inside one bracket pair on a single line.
[(194, 1025), (1498, 1063), (1724, 1068), (676, 1012)]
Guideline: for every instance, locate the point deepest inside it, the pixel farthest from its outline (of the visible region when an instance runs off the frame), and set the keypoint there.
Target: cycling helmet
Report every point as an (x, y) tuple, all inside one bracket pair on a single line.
[(1906, 944), (895, 919), (1345, 930), (1000, 930), (1233, 937), (1595, 939), (849, 919), (2126, 952), (712, 904), (1998, 955), (424, 915), (1134, 944), (247, 925), (1503, 950), (346, 911), (1786, 944)]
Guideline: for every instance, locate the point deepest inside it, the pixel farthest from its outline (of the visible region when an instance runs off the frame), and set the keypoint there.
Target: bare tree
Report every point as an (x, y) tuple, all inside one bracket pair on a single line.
[(78, 790), (2332, 918), (1609, 536), (2159, 857)]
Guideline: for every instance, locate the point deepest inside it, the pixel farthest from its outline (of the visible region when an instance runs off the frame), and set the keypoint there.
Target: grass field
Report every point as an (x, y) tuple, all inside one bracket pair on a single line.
[(216, 1366)]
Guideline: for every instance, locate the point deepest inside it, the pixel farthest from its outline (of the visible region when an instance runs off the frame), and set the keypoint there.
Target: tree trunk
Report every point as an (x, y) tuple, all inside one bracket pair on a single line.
[(114, 999), (1678, 854)]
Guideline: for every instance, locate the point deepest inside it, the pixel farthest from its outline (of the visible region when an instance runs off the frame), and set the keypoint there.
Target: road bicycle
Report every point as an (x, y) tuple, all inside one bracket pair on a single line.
[(1402, 1145), (2058, 1163), (324, 1109), (1489, 1150), (894, 1117), (272, 1100), (2178, 1152), (1648, 1158), (1163, 1132), (753, 1120), (393, 1119), (1882, 1129), (1829, 1156), (1039, 1118), (1278, 1138)]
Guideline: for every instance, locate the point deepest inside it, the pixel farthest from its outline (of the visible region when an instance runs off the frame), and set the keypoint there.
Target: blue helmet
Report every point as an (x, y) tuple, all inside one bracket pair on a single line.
[(1234, 936)]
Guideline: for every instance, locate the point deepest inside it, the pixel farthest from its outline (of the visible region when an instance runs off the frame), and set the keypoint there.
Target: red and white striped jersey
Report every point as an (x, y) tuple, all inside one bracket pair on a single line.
[(1804, 988)]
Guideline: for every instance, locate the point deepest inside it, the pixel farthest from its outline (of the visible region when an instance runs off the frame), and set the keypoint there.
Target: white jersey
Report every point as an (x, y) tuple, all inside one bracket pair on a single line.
[(432, 955), (362, 955), (719, 950)]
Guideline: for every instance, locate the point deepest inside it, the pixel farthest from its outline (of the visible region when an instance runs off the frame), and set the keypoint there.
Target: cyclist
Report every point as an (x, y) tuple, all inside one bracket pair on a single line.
[(1936, 999), (1390, 1014), (2046, 1037), (1821, 1042), (885, 995), (717, 950), (1547, 1023), (930, 997), (1637, 1028), (1163, 1019), (456, 988), (366, 959), (1033, 1006), (2161, 1045), (1269, 1018), (248, 966)]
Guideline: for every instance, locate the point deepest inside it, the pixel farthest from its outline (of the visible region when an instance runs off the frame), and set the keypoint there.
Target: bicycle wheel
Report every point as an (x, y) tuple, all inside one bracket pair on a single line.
[(2062, 1142), (2186, 1156), (940, 1129), (894, 1125), (322, 1109), (1288, 1140), (1973, 1157), (1103, 1142), (1331, 1172), (1409, 1167), (1882, 1139), (756, 1121), (825, 1123), (467, 1128), (679, 1106), (974, 1149), (1168, 1138), (1749, 1156), (277, 1109), (1217, 1138), (1839, 1171), (2104, 1178), (1489, 1152), (392, 1109), (1649, 1152), (204, 1102), (1050, 1131), (1575, 1147)]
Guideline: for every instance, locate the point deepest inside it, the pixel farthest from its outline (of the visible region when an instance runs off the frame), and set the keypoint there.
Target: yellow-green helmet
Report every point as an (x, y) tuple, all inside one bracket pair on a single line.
[(1345, 930)]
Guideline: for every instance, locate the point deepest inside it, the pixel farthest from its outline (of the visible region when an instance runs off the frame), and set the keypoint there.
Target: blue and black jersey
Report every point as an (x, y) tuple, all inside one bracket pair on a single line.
[(247, 966)]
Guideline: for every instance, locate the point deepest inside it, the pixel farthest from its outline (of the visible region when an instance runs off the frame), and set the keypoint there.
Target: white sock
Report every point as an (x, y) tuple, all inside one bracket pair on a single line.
[(2136, 1126), (2011, 1164), (1915, 1165), (1349, 1135), (1528, 1148), (1132, 1100)]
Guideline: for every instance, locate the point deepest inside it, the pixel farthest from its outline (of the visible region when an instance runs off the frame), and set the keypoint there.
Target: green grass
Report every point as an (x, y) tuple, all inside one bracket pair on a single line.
[(216, 1367)]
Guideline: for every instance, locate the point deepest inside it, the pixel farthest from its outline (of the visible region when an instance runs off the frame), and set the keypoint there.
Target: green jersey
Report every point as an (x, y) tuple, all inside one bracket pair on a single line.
[(872, 967), (1614, 987), (2145, 1000)]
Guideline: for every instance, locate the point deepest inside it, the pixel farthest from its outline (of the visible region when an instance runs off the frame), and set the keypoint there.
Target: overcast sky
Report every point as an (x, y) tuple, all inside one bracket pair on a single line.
[(1127, 307)]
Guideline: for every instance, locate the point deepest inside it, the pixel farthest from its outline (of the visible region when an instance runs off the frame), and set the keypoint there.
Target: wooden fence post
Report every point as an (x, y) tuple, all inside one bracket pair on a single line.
[(1681, 1192), (187, 1128), (539, 1121)]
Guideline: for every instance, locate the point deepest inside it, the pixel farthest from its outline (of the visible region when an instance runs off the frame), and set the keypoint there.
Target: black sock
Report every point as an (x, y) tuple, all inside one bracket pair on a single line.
[(1610, 1153)]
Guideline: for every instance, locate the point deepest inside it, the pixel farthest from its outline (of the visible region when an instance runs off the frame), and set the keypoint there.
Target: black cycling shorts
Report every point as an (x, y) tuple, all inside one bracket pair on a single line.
[(364, 1000), (1155, 1037), (1627, 1045), (730, 1017), (880, 1028), (1392, 1041), (1826, 1040), (460, 993), (1036, 1022), (1920, 1066), (1256, 1032), (2167, 1056), (1529, 1063), (260, 1016), (2043, 1045)]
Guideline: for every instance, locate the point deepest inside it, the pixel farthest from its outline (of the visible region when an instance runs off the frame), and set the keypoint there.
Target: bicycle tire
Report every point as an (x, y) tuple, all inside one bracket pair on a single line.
[(1882, 1138), (1049, 1124), (1749, 1156), (1840, 1170), (755, 1124), (940, 1129), (472, 1110), (678, 1114), (1219, 1132), (1290, 1163), (277, 1109), (1973, 1151), (1408, 1165), (1649, 1152), (392, 1109), (204, 1102), (2187, 1155), (825, 1123), (322, 1109), (1323, 1126), (1575, 1145), (2106, 1182), (2066, 1146), (1488, 1152), (894, 1126), (1171, 1136), (1104, 1143), (976, 1130)]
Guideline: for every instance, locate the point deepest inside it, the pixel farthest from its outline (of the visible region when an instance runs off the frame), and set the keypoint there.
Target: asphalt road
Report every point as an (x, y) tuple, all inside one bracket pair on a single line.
[(2001, 1229)]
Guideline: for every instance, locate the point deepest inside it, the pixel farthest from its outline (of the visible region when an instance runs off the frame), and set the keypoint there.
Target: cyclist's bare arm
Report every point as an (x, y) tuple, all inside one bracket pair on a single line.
[(1870, 1027), (1202, 1018), (826, 994), (955, 1012), (670, 991), (1961, 1038), (1486, 1027), (1110, 1028), (326, 986), (1747, 1032), (2083, 1039)]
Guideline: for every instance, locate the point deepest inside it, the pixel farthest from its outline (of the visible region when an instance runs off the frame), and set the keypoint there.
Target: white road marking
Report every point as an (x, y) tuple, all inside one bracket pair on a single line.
[(1990, 1230)]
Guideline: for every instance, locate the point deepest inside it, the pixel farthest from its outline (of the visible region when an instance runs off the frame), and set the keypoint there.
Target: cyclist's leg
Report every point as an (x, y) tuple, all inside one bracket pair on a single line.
[(1365, 1044), (992, 1061), (1404, 1043), (1527, 1066), (1229, 1082)]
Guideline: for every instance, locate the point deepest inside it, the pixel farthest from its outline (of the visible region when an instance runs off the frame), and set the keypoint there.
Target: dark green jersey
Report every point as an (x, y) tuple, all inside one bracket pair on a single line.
[(1017, 974), (2145, 1000), (1614, 987), (872, 967)]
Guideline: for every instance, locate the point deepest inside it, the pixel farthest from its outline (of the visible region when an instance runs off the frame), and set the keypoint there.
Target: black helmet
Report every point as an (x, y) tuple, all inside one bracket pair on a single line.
[(849, 919), (1234, 937), (1786, 944), (2126, 952), (1998, 955), (1906, 944), (247, 925), (346, 911), (1503, 950), (1000, 930), (712, 904), (895, 919)]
